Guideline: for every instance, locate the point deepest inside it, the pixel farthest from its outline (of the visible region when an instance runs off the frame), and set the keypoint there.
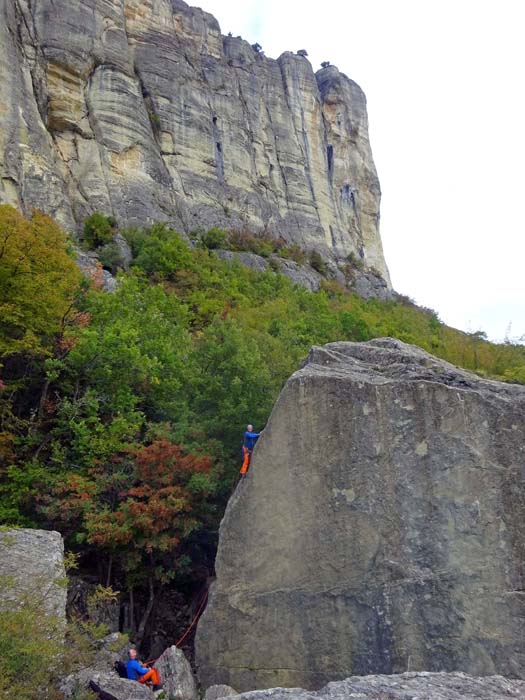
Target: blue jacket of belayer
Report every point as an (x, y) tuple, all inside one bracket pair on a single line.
[(135, 670), (250, 439)]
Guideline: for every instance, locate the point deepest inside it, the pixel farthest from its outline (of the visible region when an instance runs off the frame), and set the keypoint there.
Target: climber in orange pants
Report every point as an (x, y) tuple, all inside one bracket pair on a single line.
[(152, 675), (248, 443)]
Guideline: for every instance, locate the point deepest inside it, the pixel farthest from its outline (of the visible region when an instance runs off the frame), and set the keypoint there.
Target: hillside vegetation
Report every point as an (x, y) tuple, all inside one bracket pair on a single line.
[(121, 414)]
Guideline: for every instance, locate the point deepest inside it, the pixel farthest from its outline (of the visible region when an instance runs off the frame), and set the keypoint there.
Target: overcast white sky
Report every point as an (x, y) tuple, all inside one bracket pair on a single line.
[(446, 104)]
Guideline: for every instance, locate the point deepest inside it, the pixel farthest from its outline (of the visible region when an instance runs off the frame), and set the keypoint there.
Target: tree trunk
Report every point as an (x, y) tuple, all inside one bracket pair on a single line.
[(147, 612), (131, 611), (108, 579)]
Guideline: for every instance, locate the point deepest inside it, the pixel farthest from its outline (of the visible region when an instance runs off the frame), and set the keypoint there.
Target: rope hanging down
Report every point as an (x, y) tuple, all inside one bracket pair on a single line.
[(203, 603), (201, 606)]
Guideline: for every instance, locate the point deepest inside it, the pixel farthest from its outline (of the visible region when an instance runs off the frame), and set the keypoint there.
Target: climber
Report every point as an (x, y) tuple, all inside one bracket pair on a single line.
[(248, 443), (142, 674)]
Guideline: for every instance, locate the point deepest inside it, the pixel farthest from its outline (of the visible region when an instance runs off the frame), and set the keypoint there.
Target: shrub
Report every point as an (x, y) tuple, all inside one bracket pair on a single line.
[(214, 238), (355, 261), (317, 262), (295, 253), (263, 245), (111, 257), (134, 238), (98, 230)]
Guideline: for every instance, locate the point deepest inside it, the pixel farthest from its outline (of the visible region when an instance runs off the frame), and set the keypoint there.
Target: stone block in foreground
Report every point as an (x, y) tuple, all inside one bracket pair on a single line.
[(408, 686)]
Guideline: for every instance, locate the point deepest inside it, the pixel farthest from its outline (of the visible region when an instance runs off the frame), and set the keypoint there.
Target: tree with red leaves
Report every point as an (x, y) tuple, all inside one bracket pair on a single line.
[(139, 510)]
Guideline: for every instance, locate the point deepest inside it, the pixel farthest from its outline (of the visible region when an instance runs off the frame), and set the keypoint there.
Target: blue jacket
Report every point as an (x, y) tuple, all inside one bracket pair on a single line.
[(250, 439), (135, 670)]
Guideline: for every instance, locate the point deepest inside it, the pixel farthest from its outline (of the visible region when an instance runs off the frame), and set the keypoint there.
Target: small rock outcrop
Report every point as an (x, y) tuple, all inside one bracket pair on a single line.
[(176, 674), (109, 686), (408, 686), (32, 564), (144, 111), (381, 528), (214, 692)]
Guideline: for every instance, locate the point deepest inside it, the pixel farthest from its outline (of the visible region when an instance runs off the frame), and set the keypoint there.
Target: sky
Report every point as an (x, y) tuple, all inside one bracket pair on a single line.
[(446, 107)]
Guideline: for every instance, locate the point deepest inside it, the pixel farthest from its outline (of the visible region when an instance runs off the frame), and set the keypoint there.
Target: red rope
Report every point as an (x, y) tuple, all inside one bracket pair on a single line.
[(205, 598), (147, 663)]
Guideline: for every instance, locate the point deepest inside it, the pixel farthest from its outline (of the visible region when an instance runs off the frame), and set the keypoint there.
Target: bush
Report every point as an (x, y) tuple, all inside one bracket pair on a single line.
[(214, 238), (111, 257), (261, 244), (98, 230), (355, 261), (317, 262), (134, 238), (295, 253)]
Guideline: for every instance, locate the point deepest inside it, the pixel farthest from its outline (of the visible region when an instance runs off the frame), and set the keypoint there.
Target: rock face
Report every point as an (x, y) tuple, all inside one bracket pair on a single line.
[(408, 686), (143, 110), (32, 564), (381, 527)]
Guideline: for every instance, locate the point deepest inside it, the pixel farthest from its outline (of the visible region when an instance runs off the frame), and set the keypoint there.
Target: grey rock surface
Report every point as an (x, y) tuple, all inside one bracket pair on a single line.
[(32, 565), (90, 265), (407, 686), (214, 692), (176, 674), (304, 275), (111, 648), (251, 260), (381, 527), (144, 111), (109, 686), (369, 285)]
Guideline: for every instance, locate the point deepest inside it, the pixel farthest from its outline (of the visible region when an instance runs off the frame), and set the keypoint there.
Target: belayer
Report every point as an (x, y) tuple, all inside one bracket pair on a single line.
[(248, 443), (142, 674)]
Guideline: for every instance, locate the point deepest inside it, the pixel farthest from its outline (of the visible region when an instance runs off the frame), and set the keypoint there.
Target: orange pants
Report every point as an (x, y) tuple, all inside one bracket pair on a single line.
[(152, 675), (246, 460)]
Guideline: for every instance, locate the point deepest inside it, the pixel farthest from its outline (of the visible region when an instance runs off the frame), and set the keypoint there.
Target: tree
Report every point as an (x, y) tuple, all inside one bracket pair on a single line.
[(38, 282), (325, 64), (138, 510), (98, 230), (257, 47), (302, 52)]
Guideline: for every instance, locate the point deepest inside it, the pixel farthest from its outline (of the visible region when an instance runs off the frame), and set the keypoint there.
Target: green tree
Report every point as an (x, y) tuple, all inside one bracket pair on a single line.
[(38, 282)]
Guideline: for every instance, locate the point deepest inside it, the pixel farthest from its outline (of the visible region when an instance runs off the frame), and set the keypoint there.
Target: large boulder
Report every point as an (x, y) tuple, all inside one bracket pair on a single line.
[(32, 565), (381, 527), (408, 686), (176, 675)]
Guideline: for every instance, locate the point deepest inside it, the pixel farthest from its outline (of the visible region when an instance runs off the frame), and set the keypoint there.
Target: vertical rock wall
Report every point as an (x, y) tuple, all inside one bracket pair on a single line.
[(143, 110), (381, 528)]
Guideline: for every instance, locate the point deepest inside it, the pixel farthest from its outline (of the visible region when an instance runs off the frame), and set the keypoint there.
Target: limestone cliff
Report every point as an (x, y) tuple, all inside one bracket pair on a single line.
[(381, 527), (143, 110)]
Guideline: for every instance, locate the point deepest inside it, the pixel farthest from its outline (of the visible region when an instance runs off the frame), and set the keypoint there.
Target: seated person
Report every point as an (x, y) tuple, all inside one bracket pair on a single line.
[(139, 673)]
